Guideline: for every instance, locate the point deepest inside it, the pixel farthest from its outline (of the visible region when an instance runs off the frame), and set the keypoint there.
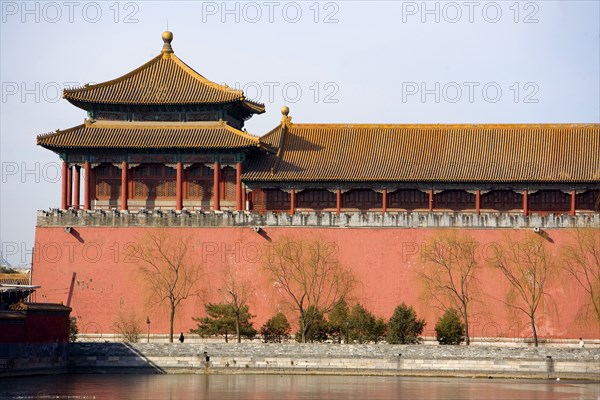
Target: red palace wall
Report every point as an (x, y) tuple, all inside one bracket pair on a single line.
[(384, 261)]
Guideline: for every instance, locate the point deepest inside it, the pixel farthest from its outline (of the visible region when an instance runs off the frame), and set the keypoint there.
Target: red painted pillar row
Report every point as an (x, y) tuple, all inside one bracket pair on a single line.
[(384, 198), (573, 198), (525, 203), (244, 198), (338, 201), (292, 202), (238, 187), (69, 186), (124, 186), (76, 187), (217, 182), (179, 188), (64, 181), (430, 200), (86, 185), (478, 201)]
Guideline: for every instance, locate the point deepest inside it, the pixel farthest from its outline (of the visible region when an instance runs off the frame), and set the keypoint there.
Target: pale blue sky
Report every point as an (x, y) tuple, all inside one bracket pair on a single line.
[(368, 64)]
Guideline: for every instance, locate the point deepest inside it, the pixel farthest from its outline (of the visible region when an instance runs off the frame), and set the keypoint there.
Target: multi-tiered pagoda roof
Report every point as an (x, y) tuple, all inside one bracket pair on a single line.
[(149, 135), (164, 81)]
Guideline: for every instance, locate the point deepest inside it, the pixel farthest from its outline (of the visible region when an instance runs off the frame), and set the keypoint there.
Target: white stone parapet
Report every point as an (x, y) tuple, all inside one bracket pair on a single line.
[(326, 219)]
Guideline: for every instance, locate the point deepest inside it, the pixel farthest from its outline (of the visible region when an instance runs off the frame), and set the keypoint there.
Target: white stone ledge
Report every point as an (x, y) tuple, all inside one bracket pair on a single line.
[(315, 219)]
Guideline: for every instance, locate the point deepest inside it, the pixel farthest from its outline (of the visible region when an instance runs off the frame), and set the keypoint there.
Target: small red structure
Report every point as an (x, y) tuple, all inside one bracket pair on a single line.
[(33, 322)]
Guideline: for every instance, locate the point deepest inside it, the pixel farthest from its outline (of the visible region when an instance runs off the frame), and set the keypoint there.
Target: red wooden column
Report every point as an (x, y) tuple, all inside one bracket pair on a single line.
[(292, 201), (384, 198), (217, 182), (238, 186), (63, 196), (525, 203), (573, 194), (124, 186), (244, 198), (76, 187), (338, 201), (86, 185), (179, 188), (69, 186), (478, 201), (430, 200)]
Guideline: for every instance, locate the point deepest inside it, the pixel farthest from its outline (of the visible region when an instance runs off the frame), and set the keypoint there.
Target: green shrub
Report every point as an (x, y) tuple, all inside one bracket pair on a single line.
[(73, 329), (363, 326), (221, 320), (404, 327), (276, 329), (338, 321), (450, 329), (317, 329)]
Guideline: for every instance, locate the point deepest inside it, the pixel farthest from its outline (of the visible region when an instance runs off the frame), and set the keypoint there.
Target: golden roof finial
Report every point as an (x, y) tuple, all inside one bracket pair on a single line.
[(167, 37), (285, 119)]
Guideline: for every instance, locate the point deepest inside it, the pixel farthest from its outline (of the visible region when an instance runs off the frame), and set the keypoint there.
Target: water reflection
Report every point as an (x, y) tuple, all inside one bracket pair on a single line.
[(282, 387)]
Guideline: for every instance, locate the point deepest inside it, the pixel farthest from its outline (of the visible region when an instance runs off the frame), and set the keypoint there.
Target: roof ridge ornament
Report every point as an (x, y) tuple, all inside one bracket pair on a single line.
[(285, 119), (167, 37)]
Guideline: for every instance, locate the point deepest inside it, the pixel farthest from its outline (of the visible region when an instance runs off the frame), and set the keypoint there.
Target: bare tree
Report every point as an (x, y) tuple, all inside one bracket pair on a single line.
[(527, 266), (238, 291), (581, 259), (127, 325), (310, 277), (450, 273), (167, 268)]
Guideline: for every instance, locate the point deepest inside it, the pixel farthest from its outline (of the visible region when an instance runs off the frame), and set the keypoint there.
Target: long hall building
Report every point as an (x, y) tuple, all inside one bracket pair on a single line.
[(164, 147)]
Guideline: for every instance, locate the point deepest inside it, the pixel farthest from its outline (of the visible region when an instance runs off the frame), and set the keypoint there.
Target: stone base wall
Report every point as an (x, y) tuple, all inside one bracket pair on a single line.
[(425, 341), (18, 359), (457, 361)]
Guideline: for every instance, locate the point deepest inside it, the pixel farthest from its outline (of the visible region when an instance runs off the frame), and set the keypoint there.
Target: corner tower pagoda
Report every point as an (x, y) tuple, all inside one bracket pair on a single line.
[(161, 136)]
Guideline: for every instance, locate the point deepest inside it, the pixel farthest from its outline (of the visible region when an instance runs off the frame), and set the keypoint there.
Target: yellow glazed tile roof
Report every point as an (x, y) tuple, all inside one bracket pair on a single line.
[(429, 153), (164, 80), (149, 135)]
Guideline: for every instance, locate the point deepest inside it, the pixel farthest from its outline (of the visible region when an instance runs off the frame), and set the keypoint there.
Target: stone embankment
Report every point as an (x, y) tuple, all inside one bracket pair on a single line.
[(410, 360), (33, 359), (294, 358)]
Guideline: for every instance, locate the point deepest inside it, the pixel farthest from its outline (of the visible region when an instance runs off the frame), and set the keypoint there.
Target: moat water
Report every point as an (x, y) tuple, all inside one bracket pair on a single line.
[(289, 387)]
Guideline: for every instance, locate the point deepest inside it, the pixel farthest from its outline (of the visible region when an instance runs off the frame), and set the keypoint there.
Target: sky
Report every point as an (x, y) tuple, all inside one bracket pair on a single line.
[(329, 61)]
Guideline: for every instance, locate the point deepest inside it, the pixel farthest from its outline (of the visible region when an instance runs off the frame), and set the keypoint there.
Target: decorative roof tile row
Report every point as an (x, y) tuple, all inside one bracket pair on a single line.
[(39, 307), (164, 80), (149, 135), (430, 153)]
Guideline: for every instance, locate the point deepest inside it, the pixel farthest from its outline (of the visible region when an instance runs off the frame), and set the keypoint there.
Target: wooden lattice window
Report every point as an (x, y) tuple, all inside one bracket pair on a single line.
[(276, 200), (408, 199), (154, 181), (317, 199), (549, 200), (108, 182), (200, 182), (227, 184), (363, 199), (257, 197), (588, 200), (502, 200), (454, 200)]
